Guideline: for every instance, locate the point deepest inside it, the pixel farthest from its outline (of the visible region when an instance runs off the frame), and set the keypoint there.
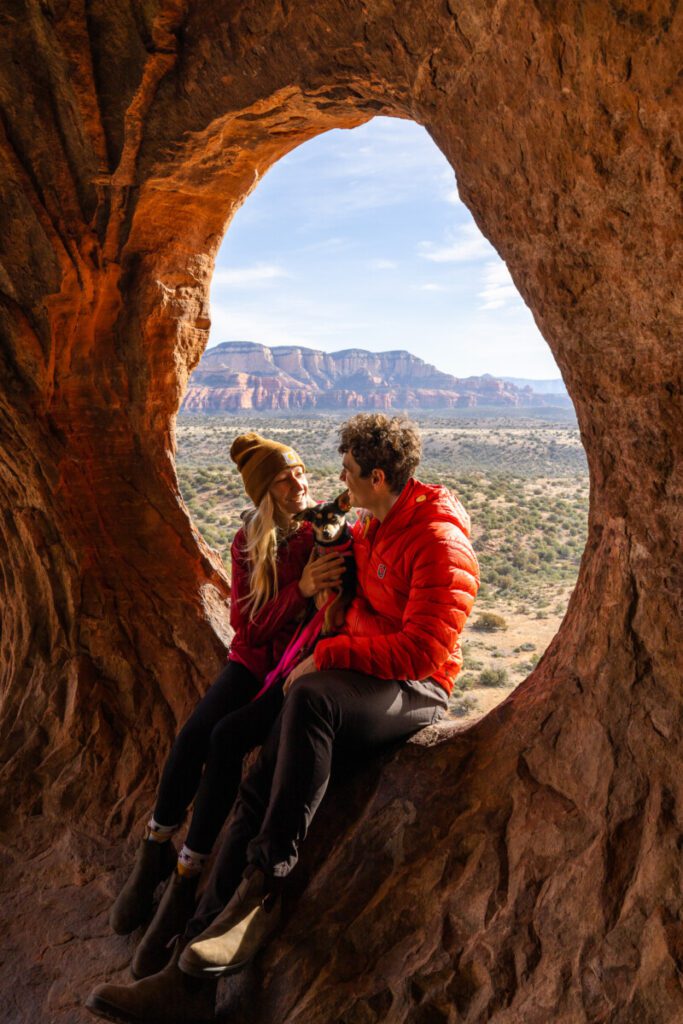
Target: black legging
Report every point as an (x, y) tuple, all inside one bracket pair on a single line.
[(226, 724)]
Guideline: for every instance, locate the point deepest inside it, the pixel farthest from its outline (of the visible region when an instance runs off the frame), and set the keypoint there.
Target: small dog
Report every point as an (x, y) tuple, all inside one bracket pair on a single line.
[(331, 530)]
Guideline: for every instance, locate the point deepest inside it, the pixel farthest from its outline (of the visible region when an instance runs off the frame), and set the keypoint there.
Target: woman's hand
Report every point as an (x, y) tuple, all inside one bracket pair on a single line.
[(320, 573), (303, 668)]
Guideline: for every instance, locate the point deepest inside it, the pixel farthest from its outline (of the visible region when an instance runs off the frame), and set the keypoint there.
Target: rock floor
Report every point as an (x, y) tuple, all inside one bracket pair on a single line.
[(55, 896)]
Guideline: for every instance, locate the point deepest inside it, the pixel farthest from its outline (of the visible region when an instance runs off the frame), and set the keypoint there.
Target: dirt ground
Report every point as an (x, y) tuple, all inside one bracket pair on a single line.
[(502, 650)]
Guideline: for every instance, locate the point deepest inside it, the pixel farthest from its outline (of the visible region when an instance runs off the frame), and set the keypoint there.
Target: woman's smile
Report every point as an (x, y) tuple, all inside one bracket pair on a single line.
[(290, 490)]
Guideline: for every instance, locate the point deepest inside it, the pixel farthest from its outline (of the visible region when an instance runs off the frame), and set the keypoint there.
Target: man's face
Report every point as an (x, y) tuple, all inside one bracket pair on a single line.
[(360, 488)]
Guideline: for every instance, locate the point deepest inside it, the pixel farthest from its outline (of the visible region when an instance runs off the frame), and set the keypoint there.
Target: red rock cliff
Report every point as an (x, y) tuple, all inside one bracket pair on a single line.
[(528, 871), (245, 375)]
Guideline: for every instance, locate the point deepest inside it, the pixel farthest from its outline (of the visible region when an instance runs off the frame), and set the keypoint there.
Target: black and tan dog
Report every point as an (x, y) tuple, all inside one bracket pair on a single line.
[(331, 530)]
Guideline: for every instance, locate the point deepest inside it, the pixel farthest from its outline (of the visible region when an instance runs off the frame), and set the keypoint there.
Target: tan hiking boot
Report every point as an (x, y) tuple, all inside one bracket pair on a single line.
[(237, 934), (169, 997), (153, 864), (174, 911)]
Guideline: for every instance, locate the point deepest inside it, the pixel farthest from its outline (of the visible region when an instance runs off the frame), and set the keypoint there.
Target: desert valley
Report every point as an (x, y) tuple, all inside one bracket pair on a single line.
[(522, 477)]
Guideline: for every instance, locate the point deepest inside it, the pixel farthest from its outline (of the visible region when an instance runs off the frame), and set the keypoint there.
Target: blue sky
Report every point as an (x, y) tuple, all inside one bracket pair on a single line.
[(358, 239)]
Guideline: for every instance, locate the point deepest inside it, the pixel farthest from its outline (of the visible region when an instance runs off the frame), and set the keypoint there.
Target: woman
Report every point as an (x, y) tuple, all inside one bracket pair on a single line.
[(274, 573)]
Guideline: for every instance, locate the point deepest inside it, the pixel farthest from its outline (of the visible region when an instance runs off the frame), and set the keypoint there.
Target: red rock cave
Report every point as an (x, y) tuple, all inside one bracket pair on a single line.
[(533, 867)]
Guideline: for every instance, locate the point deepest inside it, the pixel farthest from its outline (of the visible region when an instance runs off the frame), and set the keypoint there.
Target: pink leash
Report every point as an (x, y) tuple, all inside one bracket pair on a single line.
[(305, 636)]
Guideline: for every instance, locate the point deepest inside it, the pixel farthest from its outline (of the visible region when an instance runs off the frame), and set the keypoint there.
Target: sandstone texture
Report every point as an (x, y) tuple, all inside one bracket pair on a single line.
[(244, 375), (528, 870)]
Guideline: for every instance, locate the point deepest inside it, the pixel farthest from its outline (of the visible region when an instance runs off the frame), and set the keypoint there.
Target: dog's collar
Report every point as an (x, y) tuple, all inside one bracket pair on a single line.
[(343, 546)]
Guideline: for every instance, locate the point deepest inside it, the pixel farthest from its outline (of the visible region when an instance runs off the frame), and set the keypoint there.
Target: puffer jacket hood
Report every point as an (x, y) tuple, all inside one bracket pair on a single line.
[(425, 503)]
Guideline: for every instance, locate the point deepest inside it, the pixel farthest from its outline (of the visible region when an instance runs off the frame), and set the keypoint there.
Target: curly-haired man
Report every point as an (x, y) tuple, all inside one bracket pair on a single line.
[(386, 675)]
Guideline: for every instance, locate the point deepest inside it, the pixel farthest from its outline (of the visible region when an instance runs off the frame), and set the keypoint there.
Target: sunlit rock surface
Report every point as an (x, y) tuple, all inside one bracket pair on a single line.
[(526, 871), (244, 375)]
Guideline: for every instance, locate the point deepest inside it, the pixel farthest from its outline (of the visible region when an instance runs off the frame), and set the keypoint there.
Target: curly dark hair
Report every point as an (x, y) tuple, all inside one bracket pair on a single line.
[(379, 442)]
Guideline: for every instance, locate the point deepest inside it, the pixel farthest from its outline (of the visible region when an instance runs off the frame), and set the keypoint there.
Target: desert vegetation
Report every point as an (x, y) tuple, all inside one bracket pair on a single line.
[(522, 479)]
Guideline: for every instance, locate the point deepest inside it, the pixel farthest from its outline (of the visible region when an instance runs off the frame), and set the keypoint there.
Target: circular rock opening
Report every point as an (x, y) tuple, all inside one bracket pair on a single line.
[(540, 879), (315, 260)]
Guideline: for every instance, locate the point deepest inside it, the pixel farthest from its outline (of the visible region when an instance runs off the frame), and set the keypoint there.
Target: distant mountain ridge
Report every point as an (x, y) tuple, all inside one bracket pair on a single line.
[(239, 375), (555, 386)]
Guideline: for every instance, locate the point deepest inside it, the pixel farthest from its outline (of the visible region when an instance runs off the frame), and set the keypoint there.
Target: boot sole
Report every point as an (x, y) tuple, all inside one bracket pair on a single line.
[(110, 1012), (214, 972), (114, 1013)]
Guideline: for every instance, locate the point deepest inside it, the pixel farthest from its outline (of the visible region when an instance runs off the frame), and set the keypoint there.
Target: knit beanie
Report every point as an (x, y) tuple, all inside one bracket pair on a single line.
[(259, 460)]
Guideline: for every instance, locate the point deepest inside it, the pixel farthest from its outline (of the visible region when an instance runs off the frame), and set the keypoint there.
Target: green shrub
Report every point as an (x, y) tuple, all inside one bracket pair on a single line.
[(461, 707), (489, 622), (466, 680), (493, 677), (527, 666)]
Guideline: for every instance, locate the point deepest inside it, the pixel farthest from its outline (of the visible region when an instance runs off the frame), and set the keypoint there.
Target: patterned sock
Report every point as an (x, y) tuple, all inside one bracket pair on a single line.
[(159, 833), (190, 863)]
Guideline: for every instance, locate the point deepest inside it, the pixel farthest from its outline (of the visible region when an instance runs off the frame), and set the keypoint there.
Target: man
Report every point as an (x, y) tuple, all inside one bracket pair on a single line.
[(385, 676)]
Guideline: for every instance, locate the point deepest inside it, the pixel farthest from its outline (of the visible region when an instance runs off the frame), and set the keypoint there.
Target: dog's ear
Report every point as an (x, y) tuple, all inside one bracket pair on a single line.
[(342, 502), (305, 514)]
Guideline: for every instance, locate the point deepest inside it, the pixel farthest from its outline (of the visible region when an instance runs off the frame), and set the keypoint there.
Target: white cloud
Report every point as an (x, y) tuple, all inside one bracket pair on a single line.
[(333, 203), (336, 243), (488, 342), (498, 287), (466, 246), (247, 277), (386, 162), (289, 319)]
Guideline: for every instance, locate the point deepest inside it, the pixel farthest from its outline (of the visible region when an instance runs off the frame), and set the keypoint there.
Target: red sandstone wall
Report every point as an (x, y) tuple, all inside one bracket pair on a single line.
[(529, 871)]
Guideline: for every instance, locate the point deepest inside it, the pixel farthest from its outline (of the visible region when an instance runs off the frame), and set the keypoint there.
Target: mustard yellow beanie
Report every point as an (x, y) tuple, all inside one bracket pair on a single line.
[(259, 460)]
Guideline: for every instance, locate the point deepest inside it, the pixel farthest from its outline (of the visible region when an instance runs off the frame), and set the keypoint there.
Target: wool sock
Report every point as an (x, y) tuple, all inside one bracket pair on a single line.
[(159, 833), (190, 863)]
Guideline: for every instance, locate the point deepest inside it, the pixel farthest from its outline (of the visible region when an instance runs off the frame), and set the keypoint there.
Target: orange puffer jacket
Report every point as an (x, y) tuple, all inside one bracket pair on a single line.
[(417, 580)]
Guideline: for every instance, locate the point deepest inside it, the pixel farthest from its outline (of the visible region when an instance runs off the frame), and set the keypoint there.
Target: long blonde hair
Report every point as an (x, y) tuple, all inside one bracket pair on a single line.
[(264, 528)]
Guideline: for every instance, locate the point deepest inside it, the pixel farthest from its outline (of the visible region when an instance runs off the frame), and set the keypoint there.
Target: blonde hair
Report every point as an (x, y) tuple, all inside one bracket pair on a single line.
[(264, 528), (261, 537)]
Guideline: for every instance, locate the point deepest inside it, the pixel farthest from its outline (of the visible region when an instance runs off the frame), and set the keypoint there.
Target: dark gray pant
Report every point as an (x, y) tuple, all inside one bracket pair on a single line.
[(277, 800)]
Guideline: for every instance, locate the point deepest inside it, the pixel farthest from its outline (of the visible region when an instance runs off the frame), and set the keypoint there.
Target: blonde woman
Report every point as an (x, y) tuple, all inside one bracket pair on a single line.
[(274, 574)]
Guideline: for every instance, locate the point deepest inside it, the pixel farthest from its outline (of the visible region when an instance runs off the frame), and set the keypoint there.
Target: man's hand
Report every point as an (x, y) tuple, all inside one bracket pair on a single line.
[(302, 669)]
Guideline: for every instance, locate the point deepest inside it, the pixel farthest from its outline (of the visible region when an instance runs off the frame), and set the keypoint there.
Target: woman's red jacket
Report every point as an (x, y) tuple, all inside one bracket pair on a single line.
[(417, 580)]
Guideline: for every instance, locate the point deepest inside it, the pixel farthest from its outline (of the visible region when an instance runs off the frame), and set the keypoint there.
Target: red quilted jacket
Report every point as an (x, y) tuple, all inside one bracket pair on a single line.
[(417, 580), (259, 643)]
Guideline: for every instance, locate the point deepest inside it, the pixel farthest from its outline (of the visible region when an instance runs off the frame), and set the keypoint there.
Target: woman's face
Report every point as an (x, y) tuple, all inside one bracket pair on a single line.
[(289, 489)]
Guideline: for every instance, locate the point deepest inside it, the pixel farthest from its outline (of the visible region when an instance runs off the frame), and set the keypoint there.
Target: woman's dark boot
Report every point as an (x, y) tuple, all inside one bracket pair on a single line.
[(153, 864), (174, 911), (169, 997)]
